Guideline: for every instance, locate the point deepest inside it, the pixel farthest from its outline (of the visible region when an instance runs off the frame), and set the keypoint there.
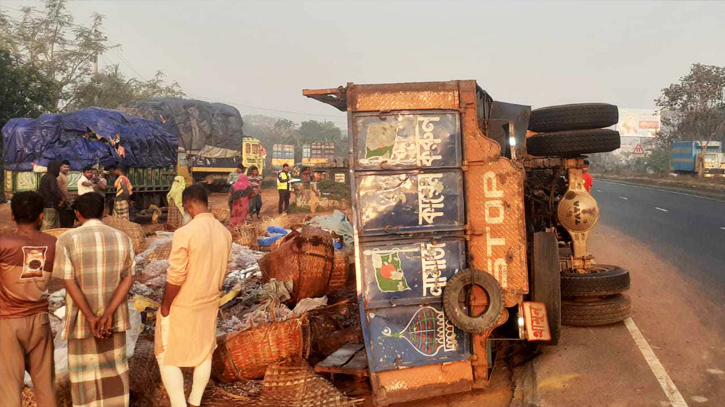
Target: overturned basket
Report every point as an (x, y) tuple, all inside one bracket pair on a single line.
[(338, 277), (245, 355), (133, 230)]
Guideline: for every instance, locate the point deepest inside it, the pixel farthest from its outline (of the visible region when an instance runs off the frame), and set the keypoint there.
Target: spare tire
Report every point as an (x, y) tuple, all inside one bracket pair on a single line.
[(454, 311), (597, 312), (573, 117), (603, 280), (572, 143)]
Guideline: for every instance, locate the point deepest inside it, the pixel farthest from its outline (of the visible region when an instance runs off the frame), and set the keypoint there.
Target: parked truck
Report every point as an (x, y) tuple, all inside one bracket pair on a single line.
[(282, 154), (687, 158), (92, 137), (211, 139)]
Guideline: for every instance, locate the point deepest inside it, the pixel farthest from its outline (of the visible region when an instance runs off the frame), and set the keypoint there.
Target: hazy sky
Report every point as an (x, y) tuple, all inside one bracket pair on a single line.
[(263, 54)]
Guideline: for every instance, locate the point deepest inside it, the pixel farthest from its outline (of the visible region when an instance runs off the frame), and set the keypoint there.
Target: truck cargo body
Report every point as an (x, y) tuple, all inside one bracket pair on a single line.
[(684, 157), (92, 137), (282, 154), (318, 154)]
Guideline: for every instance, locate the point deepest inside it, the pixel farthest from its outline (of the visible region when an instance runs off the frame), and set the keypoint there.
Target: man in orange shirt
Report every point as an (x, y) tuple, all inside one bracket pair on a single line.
[(26, 342), (588, 180), (186, 323)]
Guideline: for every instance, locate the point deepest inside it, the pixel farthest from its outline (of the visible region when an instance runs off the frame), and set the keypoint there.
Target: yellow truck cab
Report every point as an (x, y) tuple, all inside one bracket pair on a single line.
[(214, 172)]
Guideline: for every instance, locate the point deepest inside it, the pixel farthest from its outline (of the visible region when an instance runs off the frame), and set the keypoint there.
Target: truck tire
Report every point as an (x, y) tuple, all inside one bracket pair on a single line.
[(578, 116), (596, 312), (572, 143), (606, 280), (455, 313), (546, 283)]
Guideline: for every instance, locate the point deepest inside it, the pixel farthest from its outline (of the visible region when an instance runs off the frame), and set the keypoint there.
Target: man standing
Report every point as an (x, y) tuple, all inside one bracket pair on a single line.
[(26, 341), (85, 182), (124, 189), (588, 180), (99, 184), (97, 264), (234, 175), (186, 324), (283, 188), (65, 211), (52, 197)]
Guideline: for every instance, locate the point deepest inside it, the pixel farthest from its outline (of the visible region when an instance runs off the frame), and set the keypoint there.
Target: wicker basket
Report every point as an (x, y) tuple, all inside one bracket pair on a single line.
[(56, 232), (245, 235), (160, 252), (304, 259), (245, 355), (133, 230), (296, 384), (338, 277), (222, 214)]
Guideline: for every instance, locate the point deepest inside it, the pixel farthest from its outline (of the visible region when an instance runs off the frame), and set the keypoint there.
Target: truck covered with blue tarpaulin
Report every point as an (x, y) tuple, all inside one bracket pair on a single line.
[(91, 137), (684, 158)]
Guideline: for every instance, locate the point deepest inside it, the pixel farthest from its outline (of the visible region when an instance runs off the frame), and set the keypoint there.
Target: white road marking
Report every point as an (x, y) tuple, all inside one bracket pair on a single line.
[(662, 190), (625, 198), (660, 209), (668, 386), (721, 227), (599, 190)]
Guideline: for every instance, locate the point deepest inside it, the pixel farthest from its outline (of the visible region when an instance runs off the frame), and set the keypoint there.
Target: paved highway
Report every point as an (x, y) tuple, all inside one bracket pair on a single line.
[(672, 351)]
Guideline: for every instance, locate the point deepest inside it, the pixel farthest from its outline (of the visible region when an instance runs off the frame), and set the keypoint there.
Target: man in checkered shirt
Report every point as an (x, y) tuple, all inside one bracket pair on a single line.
[(97, 264)]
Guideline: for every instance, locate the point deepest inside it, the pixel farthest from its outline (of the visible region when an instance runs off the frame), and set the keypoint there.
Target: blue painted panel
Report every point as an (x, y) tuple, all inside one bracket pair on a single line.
[(406, 272), (413, 335), (406, 140), (410, 201)]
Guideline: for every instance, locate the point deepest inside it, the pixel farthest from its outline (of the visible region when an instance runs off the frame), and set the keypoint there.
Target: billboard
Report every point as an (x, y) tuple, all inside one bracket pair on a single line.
[(638, 122)]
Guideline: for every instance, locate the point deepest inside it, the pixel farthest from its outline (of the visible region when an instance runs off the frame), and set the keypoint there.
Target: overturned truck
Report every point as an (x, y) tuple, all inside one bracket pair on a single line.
[(462, 237)]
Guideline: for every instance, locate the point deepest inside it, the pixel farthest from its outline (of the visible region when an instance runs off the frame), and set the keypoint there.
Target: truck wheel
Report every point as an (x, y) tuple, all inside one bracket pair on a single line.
[(546, 282), (596, 312), (572, 143), (578, 116), (603, 280), (454, 309)]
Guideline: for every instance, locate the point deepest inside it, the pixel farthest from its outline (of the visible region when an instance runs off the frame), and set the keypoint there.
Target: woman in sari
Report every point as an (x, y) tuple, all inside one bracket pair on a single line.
[(176, 209), (239, 200)]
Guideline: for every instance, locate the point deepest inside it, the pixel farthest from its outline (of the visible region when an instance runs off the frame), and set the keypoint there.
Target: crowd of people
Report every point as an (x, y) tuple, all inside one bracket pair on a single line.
[(96, 263)]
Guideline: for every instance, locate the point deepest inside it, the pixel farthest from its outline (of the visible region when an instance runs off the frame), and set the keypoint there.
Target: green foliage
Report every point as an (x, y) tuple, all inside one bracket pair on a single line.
[(334, 190), (659, 160), (51, 42), (24, 92), (697, 104), (110, 89)]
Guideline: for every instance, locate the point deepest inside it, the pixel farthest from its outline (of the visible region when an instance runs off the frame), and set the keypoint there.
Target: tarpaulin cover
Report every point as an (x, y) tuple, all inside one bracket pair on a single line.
[(199, 125), (88, 137)]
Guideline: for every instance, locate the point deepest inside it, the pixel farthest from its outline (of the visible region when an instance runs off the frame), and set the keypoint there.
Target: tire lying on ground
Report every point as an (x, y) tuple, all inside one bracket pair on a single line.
[(573, 143), (573, 117), (455, 313), (596, 312), (605, 280)]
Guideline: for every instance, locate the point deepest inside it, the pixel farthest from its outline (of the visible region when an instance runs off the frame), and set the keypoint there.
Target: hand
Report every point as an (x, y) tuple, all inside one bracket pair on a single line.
[(105, 324), (93, 321), (165, 311)]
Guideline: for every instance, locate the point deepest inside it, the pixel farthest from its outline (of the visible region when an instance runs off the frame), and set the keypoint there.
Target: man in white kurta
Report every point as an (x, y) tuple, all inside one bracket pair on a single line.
[(186, 323)]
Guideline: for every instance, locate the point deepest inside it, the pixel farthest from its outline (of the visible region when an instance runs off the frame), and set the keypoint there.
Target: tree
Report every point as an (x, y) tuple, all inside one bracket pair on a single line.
[(51, 42), (697, 104), (111, 89), (24, 92)]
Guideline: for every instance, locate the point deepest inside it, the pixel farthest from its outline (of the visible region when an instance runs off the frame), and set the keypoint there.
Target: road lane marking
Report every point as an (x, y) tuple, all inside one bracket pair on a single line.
[(599, 190), (660, 209), (723, 228), (662, 190), (668, 386), (625, 198)]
